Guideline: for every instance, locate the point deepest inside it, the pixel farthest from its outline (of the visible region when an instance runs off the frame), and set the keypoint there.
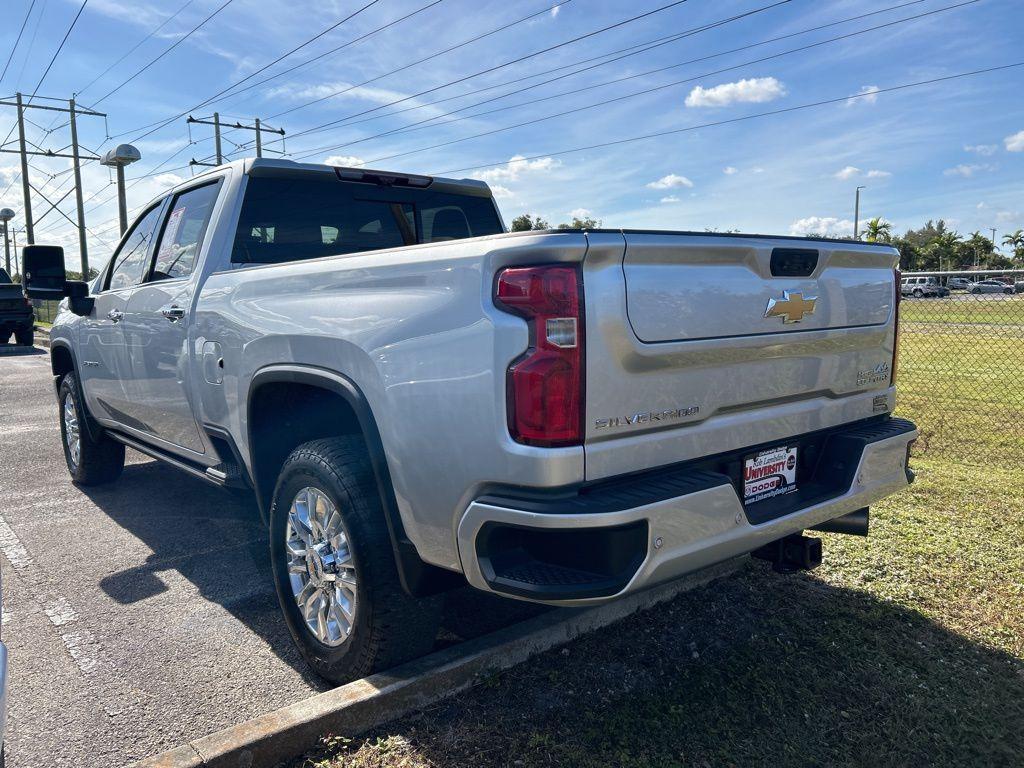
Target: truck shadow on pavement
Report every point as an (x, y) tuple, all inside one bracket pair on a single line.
[(754, 669), (216, 540)]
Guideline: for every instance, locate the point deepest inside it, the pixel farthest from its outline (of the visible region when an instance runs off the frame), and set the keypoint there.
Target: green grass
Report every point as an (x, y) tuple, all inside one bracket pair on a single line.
[(905, 648)]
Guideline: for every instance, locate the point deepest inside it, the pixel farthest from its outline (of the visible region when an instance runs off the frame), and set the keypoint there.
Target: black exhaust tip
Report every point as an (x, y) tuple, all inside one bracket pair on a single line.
[(791, 554)]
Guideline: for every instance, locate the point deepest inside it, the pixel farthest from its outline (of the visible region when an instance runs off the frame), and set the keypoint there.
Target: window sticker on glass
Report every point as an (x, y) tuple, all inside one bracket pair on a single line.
[(171, 233)]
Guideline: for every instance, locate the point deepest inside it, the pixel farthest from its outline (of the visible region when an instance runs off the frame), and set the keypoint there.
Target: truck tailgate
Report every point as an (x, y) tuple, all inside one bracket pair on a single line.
[(703, 344)]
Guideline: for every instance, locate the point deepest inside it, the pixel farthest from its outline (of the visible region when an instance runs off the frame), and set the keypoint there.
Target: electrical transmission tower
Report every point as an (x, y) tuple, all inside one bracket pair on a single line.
[(257, 126), (73, 111)]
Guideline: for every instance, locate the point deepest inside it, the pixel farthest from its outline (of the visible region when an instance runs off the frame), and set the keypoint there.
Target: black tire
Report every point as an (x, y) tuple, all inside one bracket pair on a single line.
[(25, 336), (389, 625), (99, 461), (918, 293), (1008, 290)]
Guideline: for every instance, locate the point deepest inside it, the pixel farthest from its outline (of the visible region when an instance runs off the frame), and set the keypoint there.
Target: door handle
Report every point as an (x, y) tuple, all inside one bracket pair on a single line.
[(115, 315), (174, 313)]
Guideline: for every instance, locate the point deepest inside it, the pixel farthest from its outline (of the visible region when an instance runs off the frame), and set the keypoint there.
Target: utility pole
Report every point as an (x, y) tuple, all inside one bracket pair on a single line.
[(24, 173), (83, 249), (856, 214), (76, 157), (258, 126)]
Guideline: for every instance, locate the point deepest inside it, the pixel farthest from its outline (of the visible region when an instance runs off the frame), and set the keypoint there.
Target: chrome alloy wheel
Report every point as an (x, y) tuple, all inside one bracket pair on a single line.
[(320, 566), (72, 435)]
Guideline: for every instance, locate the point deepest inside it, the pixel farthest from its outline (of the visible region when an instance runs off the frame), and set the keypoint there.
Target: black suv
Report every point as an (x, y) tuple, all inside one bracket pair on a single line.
[(15, 312)]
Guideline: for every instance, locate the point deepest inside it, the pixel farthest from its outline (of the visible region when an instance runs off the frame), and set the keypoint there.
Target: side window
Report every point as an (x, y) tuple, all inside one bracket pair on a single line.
[(130, 261), (184, 232)]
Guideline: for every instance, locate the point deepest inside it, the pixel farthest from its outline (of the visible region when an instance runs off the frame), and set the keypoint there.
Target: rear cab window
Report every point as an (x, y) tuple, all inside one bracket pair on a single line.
[(307, 217)]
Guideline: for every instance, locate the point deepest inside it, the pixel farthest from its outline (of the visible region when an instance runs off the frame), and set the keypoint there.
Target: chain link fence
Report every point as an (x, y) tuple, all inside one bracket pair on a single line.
[(44, 310), (961, 364)]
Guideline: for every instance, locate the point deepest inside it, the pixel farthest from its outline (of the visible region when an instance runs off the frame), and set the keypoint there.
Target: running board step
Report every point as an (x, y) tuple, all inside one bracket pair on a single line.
[(183, 464)]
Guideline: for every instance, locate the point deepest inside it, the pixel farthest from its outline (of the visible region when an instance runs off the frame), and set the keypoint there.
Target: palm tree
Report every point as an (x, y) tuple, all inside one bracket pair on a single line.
[(947, 248), (878, 230), (1016, 243)]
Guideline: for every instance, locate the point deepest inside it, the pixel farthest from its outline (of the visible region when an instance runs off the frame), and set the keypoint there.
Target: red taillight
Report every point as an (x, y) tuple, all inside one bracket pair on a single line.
[(545, 385), (896, 323)]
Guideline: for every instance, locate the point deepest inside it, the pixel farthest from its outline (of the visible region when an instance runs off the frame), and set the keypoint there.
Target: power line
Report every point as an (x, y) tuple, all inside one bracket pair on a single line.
[(332, 51), (631, 51), (166, 51), (488, 70), (626, 52), (59, 49), (139, 44), (436, 54), (646, 91), (261, 69), (784, 110), (545, 10), (18, 39)]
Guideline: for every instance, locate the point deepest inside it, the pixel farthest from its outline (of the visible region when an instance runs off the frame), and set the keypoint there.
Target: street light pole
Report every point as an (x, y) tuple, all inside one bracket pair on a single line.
[(119, 157), (856, 214)]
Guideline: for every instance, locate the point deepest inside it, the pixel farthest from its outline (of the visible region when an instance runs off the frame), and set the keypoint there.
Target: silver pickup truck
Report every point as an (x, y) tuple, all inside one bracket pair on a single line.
[(419, 399)]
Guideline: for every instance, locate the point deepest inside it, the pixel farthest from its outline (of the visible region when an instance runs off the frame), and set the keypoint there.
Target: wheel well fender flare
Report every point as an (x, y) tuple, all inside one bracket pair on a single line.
[(350, 392)]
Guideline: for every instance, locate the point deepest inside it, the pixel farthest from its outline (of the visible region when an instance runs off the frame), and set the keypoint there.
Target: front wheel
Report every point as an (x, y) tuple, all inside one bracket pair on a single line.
[(90, 462), (334, 568)]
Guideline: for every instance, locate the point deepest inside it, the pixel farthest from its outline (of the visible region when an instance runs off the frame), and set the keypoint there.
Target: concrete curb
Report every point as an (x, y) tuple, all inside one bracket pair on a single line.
[(360, 706), (42, 337)]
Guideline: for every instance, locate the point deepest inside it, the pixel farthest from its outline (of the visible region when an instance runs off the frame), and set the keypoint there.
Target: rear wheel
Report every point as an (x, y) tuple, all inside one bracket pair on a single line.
[(918, 293), (25, 336), (334, 568), (90, 462)]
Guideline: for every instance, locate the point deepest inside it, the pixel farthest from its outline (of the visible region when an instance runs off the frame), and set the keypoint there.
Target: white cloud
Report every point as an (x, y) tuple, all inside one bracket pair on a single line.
[(1015, 143), (501, 192), (672, 181), (555, 11), (820, 225), (852, 171), (516, 167), (753, 90), (345, 161), (729, 170), (985, 150), (757, 170), (579, 213), (868, 94), (671, 199), (168, 180), (968, 169)]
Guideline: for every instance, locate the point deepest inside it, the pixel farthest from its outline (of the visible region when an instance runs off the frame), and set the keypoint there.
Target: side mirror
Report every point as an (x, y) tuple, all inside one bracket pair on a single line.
[(43, 273), (45, 278)]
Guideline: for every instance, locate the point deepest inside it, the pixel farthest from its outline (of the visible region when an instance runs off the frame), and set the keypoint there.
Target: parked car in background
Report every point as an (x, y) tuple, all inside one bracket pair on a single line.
[(958, 283), (15, 312), (919, 287), (990, 286), (1018, 287), (313, 332)]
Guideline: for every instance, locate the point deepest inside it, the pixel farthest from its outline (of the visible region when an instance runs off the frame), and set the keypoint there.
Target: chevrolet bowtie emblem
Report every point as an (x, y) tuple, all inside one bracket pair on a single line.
[(791, 307)]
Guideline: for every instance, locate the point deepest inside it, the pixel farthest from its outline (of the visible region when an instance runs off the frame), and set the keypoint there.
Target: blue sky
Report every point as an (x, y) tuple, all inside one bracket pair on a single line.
[(953, 149)]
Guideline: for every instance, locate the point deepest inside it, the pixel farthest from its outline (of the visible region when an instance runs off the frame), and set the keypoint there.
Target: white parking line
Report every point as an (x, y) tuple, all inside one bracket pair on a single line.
[(81, 644)]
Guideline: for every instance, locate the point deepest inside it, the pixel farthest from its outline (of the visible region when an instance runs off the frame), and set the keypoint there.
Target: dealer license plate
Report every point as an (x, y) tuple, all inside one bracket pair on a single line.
[(769, 474)]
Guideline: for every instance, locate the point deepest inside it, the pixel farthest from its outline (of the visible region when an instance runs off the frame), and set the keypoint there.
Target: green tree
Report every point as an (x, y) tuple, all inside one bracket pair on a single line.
[(584, 223), (1015, 241), (526, 222), (878, 230)]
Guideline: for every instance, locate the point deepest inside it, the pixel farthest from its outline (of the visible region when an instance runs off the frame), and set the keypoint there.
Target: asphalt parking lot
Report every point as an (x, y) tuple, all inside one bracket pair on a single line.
[(140, 614)]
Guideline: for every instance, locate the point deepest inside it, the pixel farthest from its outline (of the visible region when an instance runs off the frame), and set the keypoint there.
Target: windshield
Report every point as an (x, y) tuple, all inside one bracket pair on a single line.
[(288, 219)]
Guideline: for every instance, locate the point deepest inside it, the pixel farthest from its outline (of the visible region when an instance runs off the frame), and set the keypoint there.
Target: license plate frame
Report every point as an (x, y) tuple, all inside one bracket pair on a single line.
[(770, 473)]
